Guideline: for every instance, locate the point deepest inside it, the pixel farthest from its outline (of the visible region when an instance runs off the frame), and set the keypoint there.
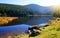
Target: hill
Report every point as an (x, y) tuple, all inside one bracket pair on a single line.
[(15, 10), (41, 9)]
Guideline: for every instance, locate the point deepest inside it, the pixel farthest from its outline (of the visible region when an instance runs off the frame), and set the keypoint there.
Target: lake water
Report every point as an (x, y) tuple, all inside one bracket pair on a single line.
[(39, 20), (24, 27), (12, 29)]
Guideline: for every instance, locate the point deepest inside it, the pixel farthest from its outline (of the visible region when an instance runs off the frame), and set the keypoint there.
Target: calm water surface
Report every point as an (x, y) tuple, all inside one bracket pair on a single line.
[(24, 27)]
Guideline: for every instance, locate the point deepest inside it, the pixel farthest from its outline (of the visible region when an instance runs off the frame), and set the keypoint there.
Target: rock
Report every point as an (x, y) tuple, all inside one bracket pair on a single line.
[(34, 30)]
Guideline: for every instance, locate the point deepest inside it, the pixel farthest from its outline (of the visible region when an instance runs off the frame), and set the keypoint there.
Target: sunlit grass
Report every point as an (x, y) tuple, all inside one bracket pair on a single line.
[(19, 36), (5, 20), (51, 31)]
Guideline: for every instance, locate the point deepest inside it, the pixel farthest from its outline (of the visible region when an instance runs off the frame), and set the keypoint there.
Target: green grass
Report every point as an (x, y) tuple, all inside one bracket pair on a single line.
[(18, 36), (51, 31)]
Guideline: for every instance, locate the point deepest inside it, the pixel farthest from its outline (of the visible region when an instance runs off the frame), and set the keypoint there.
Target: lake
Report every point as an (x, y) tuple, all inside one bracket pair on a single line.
[(39, 20), (42, 20), (13, 29)]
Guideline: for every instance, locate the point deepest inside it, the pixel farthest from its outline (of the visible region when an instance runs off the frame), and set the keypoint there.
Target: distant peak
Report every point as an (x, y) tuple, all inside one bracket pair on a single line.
[(34, 4)]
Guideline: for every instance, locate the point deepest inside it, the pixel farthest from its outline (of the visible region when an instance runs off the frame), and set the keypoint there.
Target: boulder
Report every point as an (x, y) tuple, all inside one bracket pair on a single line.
[(34, 30)]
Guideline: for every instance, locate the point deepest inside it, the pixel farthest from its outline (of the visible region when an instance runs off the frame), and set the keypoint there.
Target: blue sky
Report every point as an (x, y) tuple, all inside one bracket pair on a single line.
[(20, 2), (25, 2)]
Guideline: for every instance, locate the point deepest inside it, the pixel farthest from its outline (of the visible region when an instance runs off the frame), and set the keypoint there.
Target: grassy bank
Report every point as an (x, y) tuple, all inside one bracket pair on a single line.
[(50, 31), (6, 20)]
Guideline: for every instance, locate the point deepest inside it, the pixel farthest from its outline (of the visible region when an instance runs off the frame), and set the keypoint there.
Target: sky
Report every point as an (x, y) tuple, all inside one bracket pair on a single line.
[(25, 2), (20, 2)]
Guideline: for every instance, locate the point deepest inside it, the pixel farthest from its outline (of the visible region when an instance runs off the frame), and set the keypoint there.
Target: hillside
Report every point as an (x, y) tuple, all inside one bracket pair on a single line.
[(15, 10), (40, 9)]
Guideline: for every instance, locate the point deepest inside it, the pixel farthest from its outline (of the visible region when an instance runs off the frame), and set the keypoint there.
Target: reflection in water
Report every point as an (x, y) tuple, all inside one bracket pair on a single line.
[(12, 29), (39, 20)]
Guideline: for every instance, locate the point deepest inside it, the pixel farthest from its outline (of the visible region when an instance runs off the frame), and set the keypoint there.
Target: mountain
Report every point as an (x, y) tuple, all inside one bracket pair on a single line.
[(33, 6), (19, 10), (14, 10), (42, 9)]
